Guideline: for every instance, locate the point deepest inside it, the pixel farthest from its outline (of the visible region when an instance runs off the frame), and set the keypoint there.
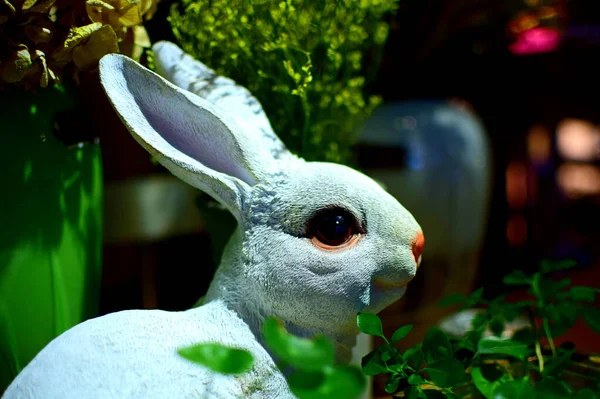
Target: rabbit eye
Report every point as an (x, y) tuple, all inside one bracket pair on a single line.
[(333, 227)]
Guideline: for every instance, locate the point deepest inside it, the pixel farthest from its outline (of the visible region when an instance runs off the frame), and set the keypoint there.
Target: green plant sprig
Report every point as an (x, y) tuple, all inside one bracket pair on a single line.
[(307, 62), (492, 366), (308, 364)]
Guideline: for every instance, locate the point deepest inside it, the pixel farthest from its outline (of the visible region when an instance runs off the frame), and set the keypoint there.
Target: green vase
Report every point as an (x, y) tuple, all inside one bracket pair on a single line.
[(51, 226)]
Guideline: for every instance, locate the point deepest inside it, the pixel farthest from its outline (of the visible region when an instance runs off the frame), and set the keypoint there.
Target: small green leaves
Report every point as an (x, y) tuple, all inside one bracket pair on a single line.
[(446, 372), (592, 318), (583, 294), (587, 393), (447, 364), (219, 358), (551, 388), (414, 357), (453, 299), (415, 379), (400, 333), (548, 266), (516, 389), (370, 324), (309, 354), (464, 301), (502, 346), (517, 277), (436, 345), (339, 382), (392, 385), (373, 364), (314, 376), (487, 378)]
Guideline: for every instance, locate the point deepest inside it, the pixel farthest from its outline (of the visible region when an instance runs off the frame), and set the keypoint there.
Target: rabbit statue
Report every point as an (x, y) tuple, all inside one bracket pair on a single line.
[(316, 243)]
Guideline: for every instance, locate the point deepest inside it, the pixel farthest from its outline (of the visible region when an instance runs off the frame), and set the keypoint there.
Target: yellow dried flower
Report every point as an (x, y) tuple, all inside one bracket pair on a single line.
[(15, 66), (41, 43)]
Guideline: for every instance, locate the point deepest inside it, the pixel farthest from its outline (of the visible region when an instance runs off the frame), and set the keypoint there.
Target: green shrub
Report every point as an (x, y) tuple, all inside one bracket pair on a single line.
[(307, 62)]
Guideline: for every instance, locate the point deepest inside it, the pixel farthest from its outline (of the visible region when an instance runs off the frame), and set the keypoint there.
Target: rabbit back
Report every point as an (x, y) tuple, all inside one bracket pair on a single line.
[(133, 354)]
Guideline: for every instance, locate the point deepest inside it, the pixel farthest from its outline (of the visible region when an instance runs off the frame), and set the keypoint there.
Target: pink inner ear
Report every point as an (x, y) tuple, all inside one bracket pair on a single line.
[(191, 129)]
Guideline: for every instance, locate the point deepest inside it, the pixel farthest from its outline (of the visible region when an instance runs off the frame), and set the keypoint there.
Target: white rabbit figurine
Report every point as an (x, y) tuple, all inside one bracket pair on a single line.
[(316, 243)]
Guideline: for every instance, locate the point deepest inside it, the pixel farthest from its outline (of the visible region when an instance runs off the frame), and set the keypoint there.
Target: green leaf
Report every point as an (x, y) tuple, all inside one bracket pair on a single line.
[(548, 288), (370, 324), (583, 294), (414, 357), (373, 364), (525, 336), (587, 393), (475, 297), (414, 392), (487, 378), (497, 326), (392, 385), (307, 354), (502, 346), (557, 364), (561, 315), (592, 318), (436, 345), (415, 379), (433, 394), (220, 358), (401, 333), (551, 388), (516, 389), (332, 382), (386, 355), (452, 299), (548, 266), (517, 277), (446, 372)]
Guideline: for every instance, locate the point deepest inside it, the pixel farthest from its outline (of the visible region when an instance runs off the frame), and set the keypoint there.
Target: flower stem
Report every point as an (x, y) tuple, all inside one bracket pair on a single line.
[(549, 336)]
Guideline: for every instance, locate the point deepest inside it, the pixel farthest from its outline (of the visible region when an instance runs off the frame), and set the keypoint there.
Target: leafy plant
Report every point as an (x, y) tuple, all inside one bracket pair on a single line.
[(483, 363), (308, 62), (309, 364)]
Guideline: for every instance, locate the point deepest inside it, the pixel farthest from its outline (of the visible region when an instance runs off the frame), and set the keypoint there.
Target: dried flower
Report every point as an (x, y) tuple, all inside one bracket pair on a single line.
[(45, 38)]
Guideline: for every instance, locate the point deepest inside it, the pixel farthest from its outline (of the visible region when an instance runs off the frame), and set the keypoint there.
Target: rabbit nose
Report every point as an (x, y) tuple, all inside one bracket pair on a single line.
[(417, 247)]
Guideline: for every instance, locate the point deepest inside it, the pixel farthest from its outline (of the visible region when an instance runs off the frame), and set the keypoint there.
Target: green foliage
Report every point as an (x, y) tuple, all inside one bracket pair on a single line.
[(481, 364), (307, 62), (220, 358), (310, 355), (314, 375)]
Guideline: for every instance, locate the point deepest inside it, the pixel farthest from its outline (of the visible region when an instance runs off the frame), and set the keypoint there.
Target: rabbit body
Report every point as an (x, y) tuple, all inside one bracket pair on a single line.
[(132, 354), (279, 262)]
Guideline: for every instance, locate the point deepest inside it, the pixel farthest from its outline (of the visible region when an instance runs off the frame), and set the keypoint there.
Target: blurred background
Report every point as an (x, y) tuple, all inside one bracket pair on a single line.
[(488, 132)]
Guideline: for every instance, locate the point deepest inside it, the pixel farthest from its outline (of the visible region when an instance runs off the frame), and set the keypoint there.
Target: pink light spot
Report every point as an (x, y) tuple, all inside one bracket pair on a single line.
[(536, 40)]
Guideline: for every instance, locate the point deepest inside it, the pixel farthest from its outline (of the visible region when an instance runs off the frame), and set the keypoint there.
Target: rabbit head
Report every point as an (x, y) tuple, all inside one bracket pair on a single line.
[(316, 242)]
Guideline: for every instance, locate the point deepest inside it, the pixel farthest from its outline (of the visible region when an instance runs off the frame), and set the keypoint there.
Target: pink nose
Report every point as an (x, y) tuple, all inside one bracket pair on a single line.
[(417, 246)]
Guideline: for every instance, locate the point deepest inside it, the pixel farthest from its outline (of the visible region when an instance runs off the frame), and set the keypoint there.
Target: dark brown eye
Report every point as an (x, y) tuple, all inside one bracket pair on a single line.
[(333, 227)]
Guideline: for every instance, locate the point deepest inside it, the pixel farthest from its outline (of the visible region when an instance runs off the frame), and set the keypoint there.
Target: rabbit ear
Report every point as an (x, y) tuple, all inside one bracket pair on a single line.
[(188, 135), (189, 74)]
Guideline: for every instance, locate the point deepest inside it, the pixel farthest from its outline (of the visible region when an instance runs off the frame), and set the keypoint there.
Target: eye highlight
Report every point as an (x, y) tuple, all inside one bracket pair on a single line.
[(333, 228)]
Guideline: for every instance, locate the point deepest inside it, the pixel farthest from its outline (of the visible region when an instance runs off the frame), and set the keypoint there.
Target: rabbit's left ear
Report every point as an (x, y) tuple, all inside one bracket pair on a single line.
[(188, 135)]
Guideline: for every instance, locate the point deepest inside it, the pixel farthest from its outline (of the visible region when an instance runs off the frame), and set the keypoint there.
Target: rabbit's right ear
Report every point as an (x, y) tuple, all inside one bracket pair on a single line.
[(185, 133)]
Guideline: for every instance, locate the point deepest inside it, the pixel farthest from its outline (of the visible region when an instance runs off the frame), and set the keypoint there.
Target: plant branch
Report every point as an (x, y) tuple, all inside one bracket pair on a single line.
[(549, 335)]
